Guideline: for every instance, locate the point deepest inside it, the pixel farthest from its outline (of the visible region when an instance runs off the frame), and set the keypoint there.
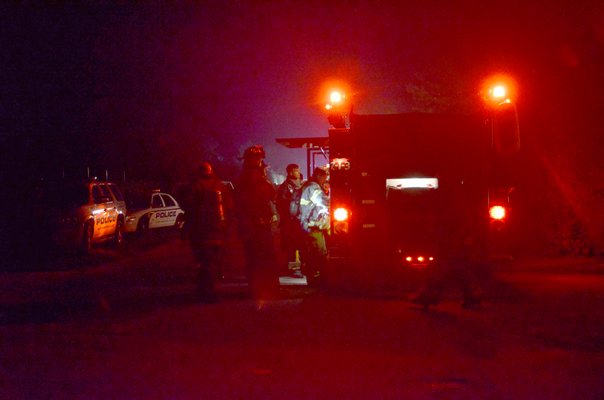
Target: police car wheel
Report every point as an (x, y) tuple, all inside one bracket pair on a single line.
[(87, 234), (143, 226), (119, 234), (180, 222)]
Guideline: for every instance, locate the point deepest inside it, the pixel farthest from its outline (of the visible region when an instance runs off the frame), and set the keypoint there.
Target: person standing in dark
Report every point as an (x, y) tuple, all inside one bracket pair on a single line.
[(314, 221), (206, 226), (288, 198), (256, 214)]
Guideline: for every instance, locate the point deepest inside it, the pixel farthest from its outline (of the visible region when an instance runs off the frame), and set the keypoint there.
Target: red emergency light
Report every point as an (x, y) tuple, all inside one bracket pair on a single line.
[(499, 89), (340, 220), (497, 212), (340, 214), (419, 261)]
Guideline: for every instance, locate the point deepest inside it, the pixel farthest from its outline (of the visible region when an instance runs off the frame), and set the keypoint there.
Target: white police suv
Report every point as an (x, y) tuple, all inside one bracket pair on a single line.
[(153, 210)]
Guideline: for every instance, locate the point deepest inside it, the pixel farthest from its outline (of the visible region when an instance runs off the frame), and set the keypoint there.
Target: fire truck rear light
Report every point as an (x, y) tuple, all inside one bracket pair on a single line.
[(412, 183), (497, 212), (419, 261), (340, 214), (340, 220)]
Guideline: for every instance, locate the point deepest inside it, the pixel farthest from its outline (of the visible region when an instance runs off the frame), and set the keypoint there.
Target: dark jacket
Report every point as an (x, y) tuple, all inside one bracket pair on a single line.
[(285, 194), (205, 211), (254, 200)]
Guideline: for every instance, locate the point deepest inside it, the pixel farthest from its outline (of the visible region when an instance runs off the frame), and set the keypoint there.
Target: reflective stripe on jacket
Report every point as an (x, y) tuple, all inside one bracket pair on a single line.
[(314, 207)]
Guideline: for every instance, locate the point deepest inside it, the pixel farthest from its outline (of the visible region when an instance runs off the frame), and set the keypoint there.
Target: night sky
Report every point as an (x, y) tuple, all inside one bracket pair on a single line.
[(153, 89)]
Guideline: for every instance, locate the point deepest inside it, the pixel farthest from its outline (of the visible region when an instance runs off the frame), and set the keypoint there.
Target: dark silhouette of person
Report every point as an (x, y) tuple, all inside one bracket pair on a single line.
[(206, 228), (256, 213)]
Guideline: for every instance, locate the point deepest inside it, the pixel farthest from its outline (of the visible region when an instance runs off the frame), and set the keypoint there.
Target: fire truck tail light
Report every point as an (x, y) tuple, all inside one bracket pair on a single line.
[(340, 220), (419, 261), (497, 212), (340, 214)]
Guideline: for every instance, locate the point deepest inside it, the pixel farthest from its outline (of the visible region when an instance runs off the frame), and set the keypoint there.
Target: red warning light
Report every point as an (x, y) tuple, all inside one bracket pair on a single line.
[(497, 212)]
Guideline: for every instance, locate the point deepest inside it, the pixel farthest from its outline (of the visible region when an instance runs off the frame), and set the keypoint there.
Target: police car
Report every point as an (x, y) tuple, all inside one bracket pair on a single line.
[(81, 214), (153, 210)]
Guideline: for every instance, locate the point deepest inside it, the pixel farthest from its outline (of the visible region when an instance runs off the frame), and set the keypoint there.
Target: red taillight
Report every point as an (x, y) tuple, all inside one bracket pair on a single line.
[(419, 261), (497, 212), (340, 220), (340, 214)]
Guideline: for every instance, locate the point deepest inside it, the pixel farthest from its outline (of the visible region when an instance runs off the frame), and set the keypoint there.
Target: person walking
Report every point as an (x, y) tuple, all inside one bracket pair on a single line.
[(206, 228), (288, 207), (256, 213), (314, 221)]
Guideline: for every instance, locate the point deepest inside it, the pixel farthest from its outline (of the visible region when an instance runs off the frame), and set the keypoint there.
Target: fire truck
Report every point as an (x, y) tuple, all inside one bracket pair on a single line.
[(409, 191)]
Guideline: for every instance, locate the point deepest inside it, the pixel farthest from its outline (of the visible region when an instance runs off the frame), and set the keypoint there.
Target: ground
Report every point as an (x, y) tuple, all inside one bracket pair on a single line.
[(139, 333)]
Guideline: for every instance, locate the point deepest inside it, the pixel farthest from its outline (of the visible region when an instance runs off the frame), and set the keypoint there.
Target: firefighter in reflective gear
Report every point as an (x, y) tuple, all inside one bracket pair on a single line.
[(206, 227), (256, 213), (314, 221)]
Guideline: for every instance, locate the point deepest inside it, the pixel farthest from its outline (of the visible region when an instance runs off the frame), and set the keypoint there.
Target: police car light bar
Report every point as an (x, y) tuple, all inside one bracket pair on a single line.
[(412, 183)]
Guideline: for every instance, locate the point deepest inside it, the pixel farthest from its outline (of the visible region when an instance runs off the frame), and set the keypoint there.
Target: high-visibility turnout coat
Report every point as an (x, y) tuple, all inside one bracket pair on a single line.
[(314, 207)]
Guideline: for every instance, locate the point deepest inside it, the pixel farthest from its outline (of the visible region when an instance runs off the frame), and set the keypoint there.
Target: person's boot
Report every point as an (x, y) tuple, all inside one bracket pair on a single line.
[(296, 273)]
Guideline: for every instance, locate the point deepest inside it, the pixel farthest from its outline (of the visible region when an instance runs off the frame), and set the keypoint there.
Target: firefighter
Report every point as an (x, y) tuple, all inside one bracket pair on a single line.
[(314, 221), (288, 207), (206, 227), (256, 214)]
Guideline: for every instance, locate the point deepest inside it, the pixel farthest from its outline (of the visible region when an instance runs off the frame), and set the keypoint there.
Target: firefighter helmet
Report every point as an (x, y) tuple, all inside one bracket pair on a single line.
[(205, 170), (256, 151)]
